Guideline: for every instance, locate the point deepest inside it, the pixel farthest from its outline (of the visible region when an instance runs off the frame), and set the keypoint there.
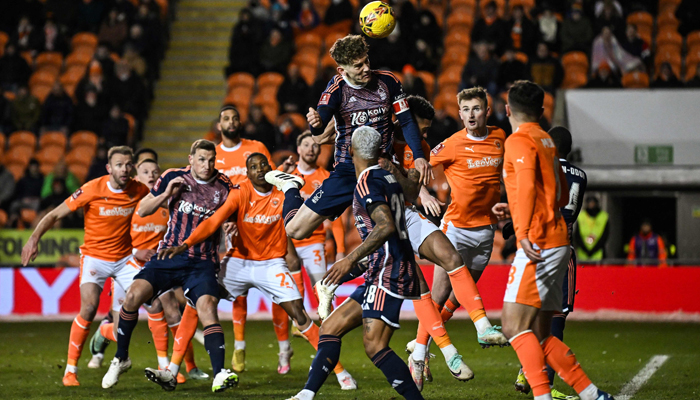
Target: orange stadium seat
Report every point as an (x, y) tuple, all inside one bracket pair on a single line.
[(22, 138), (438, 11), (83, 138), (72, 75), (79, 170), (4, 38), (41, 92), (644, 23), (298, 120), (306, 55), (270, 79), (574, 79), (691, 62), (463, 3), (667, 21), (429, 80), (3, 218), (84, 39), (444, 98), (460, 18), (78, 58), (132, 126), (672, 58), (669, 38), (19, 154), (459, 38), (2, 141), (51, 59), (526, 4), (308, 40), (42, 78), (46, 167), (692, 41), (328, 62), (270, 111), (28, 57), (239, 96), (308, 72), (267, 95), (240, 79), (69, 88), (330, 39), (548, 106), (635, 80), (576, 60), (450, 76), (664, 4), (163, 8), (16, 169), (26, 218), (83, 153), (53, 139), (454, 58)]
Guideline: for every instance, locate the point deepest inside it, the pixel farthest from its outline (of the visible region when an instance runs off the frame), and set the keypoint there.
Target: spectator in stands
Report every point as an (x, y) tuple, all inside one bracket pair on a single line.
[(28, 193), (592, 231), (115, 129), (64, 14), (51, 39), (103, 56), (26, 37), (604, 78), (60, 171), (320, 84), (634, 45), (245, 40), (428, 30), (148, 17), (288, 134), (609, 15), (546, 70), (390, 53), (134, 59), (647, 246), (443, 126), (89, 113), (280, 19), (276, 53), (413, 84), (490, 29), (259, 11), (688, 13), (56, 196), (481, 69), (510, 70), (260, 129), (7, 183), (57, 112), (25, 110), (607, 48), (423, 57), (114, 29), (523, 33), (339, 10), (695, 82), (498, 116), (14, 70), (125, 8), (549, 28), (129, 92), (98, 167), (576, 31), (90, 15), (308, 17), (96, 80), (293, 93), (666, 79)]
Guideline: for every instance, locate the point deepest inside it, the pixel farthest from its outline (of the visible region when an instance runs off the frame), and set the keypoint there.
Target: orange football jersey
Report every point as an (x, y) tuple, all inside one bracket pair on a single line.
[(108, 214), (230, 161), (261, 234), (473, 170), (147, 232), (314, 179), (531, 153)]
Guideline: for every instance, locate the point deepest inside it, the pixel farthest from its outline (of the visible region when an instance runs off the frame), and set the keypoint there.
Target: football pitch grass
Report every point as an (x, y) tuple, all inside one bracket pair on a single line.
[(32, 361)]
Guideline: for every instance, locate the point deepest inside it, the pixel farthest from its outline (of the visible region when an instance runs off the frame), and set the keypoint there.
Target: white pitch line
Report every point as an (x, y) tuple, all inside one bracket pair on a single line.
[(631, 388)]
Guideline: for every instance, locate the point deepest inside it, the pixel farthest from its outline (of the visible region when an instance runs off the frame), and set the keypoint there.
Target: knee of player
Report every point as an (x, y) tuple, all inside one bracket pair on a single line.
[(133, 300), (88, 310), (372, 347), (451, 260), (299, 316), (512, 330)]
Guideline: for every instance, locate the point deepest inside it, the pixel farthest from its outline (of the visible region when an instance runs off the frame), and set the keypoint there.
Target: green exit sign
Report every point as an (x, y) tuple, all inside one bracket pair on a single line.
[(650, 154)]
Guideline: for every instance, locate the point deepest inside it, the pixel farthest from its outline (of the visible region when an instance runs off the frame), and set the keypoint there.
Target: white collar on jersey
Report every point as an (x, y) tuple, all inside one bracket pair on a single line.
[(350, 84), (306, 172), (262, 194), (205, 182), (234, 148), (477, 138), (113, 190), (367, 169), (562, 159)]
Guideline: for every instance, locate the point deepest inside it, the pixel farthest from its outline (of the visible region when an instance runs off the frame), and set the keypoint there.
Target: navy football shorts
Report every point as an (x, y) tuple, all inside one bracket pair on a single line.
[(378, 304), (196, 277), (334, 195)]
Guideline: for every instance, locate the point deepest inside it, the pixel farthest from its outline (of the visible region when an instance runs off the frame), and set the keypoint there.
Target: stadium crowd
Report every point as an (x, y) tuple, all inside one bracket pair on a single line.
[(76, 77)]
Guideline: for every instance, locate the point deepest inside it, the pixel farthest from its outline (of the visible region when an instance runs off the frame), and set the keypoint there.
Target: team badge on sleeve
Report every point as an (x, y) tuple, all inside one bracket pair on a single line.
[(437, 149), (324, 99), (77, 194), (400, 106)]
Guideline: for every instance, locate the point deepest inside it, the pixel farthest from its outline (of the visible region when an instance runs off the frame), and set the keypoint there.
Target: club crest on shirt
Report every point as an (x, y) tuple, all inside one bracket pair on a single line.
[(497, 143), (217, 197), (275, 202)]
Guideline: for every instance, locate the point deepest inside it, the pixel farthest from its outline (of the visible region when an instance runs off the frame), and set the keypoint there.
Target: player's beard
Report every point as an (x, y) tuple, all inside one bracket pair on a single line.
[(232, 134), (311, 160)]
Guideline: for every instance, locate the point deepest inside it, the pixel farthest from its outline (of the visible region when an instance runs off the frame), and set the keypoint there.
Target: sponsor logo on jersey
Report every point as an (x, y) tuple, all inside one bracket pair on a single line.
[(150, 227), (547, 142), (116, 211), (262, 219), (352, 99), (371, 116), (484, 162), (317, 196), (189, 208), (234, 171)]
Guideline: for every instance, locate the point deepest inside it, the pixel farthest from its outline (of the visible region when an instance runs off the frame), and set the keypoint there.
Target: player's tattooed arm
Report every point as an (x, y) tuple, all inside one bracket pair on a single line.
[(383, 228), (409, 180)]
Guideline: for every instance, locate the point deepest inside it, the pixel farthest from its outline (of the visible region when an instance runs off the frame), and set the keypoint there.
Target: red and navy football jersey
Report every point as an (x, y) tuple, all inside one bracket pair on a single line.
[(392, 267), (371, 105), (193, 203), (577, 181)]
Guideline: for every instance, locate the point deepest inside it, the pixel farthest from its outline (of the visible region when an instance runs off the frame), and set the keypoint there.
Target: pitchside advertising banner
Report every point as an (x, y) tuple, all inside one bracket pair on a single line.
[(605, 292), (56, 247)]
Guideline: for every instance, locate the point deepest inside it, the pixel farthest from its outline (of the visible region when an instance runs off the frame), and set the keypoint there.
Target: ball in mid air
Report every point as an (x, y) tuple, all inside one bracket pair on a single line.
[(377, 20)]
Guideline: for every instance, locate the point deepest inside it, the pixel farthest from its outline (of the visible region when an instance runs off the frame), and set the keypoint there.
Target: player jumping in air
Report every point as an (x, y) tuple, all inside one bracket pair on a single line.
[(192, 195), (536, 189), (109, 204), (257, 260)]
